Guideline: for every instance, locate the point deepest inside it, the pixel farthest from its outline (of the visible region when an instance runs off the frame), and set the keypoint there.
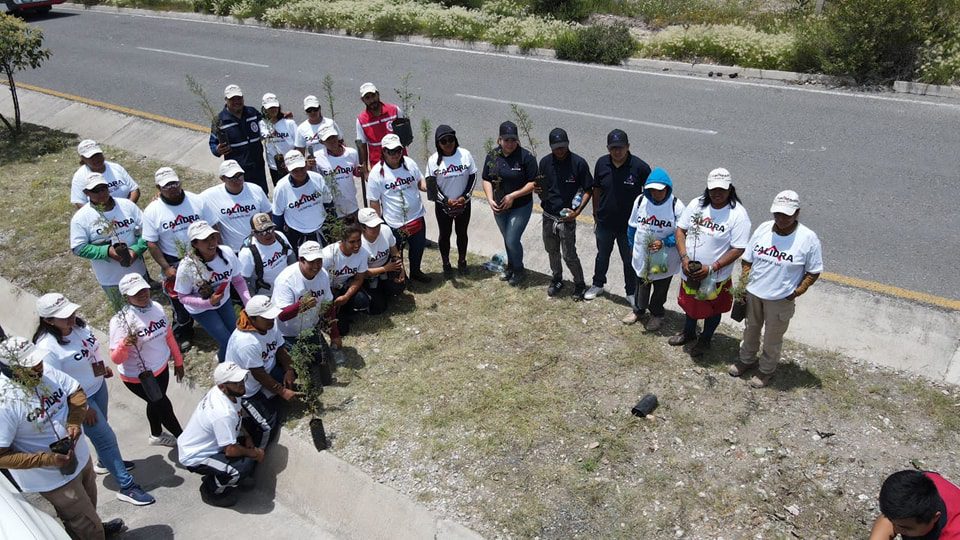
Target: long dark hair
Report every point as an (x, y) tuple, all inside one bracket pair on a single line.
[(732, 201), (280, 114), (207, 266), (43, 327)]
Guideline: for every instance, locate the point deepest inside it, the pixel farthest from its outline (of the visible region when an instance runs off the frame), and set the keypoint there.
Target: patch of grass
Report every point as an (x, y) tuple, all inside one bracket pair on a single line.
[(598, 44)]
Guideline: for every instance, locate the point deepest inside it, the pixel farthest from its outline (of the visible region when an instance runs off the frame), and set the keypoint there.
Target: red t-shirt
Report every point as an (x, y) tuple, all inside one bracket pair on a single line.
[(948, 526), (376, 127)]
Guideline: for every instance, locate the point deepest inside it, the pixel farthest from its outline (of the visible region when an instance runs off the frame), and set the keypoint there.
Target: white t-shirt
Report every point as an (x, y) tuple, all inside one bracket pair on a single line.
[(165, 224), (308, 134), (720, 230), (342, 267), (273, 260), (654, 222), (780, 262), (151, 326), (119, 182), (287, 290), (218, 271), (378, 251), (25, 426), (215, 424), (251, 350), (342, 169), (234, 211), (453, 172), (397, 191), (278, 138), (302, 207), (76, 357), (87, 226)]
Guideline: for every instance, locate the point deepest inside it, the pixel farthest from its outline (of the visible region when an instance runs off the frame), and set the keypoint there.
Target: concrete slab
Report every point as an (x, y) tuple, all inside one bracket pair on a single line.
[(75, 118)]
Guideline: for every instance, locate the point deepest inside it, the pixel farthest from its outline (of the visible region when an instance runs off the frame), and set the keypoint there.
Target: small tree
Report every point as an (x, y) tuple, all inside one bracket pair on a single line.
[(21, 47)]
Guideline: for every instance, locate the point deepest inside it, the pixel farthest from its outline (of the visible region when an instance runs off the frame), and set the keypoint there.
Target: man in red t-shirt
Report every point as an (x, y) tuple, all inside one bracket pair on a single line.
[(918, 505), (373, 123)]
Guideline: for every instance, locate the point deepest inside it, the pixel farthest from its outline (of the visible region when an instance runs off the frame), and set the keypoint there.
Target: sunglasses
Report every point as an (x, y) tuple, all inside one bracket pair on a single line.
[(447, 140), (393, 151), (266, 231), (312, 110), (171, 185)]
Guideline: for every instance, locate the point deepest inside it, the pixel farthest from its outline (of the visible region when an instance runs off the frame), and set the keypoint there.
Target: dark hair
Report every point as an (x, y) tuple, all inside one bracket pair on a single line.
[(280, 114), (207, 266), (43, 327), (733, 201), (909, 494), (350, 230)]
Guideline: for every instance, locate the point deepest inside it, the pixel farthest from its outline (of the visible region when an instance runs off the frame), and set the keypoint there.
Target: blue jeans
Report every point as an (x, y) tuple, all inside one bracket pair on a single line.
[(105, 440), (512, 223), (417, 243), (606, 235), (219, 323)]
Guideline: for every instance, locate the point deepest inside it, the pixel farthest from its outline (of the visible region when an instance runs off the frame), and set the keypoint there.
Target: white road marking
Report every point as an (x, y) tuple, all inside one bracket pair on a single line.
[(164, 51), (590, 115)]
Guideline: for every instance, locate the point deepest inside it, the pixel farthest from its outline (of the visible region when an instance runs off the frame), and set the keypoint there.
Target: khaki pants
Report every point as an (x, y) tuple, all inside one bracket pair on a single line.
[(773, 317), (76, 505)]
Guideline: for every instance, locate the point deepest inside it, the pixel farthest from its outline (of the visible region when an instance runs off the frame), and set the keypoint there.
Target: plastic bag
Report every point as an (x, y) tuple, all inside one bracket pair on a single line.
[(708, 287), (657, 263)]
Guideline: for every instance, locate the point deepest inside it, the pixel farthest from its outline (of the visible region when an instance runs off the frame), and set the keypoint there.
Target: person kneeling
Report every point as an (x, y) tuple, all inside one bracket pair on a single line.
[(385, 275), (917, 504)]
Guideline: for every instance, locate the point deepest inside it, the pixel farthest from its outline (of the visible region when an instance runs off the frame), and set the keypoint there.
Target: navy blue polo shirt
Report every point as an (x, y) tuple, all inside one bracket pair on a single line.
[(245, 142), (514, 171), (619, 187), (562, 180)]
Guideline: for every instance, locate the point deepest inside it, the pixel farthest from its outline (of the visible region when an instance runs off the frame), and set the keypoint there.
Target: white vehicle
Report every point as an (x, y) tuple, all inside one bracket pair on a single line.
[(20, 520)]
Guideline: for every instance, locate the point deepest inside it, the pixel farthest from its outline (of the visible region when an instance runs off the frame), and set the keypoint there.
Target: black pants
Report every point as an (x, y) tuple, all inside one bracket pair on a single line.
[(222, 473), (360, 301), (445, 227), (262, 419), (182, 321), (606, 235), (159, 413), (275, 176), (297, 238), (381, 291), (651, 296)]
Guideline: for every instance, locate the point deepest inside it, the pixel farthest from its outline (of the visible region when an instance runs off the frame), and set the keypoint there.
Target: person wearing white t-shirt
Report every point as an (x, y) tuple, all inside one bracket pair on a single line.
[(264, 255), (165, 223), (257, 346), (107, 230), (713, 232), (394, 187), (214, 443), (41, 407), (783, 260), (308, 140), (300, 202), (141, 341), (204, 280), (346, 262), (279, 135), (119, 181), (456, 173), (385, 276), (72, 348), (234, 202), (339, 165)]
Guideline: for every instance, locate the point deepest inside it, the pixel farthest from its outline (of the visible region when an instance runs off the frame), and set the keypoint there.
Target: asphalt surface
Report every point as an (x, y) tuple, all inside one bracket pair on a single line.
[(877, 173)]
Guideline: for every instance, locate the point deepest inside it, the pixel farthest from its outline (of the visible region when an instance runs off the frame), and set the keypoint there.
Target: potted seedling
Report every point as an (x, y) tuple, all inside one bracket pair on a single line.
[(109, 229), (525, 126), (148, 381), (433, 191), (209, 112), (693, 265), (313, 375), (327, 84), (402, 126), (203, 285), (739, 293)]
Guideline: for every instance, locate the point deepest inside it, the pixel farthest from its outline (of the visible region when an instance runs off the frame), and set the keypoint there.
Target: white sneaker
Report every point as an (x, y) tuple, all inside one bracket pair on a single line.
[(592, 292), (164, 439)]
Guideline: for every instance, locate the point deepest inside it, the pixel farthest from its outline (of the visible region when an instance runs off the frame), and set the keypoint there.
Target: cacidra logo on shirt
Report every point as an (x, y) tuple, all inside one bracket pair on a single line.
[(272, 346), (345, 271), (380, 254), (652, 220), (152, 328), (118, 224), (707, 223), (400, 183), (773, 253), (46, 403), (340, 170), (451, 169), (304, 199), (216, 277), (238, 209), (273, 259), (86, 345), (179, 220)]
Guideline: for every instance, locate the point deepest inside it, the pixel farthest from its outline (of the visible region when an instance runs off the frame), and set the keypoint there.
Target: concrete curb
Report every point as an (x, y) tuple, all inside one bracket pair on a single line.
[(923, 89)]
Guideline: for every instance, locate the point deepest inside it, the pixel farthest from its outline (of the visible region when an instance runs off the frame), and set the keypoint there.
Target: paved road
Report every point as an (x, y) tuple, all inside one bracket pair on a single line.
[(877, 172)]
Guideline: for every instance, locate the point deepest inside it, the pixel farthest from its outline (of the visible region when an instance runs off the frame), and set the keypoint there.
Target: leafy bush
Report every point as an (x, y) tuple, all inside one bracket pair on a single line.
[(725, 44), (568, 10), (940, 62), (599, 44)]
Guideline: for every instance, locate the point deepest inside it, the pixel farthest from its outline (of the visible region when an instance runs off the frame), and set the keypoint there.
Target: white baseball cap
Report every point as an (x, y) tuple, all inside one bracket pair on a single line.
[(786, 202), (270, 100), (232, 90), (94, 180), (261, 306), (391, 141), (369, 217), (228, 372), (55, 305), (294, 160), (131, 284), (165, 175), (655, 185), (230, 168), (310, 101), (719, 178), (18, 351), (327, 132), (367, 88), (88, 148), (310, 251), (198, 230)]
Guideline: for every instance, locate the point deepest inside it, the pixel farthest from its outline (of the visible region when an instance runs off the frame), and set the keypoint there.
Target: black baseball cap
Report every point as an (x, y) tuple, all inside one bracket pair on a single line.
[(508, 130), (558, 139), (617, 137)]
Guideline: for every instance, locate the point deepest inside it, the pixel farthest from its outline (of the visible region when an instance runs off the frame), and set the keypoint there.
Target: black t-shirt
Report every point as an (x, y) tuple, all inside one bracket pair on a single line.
[(619, 187), (514, 171), (562, 180)]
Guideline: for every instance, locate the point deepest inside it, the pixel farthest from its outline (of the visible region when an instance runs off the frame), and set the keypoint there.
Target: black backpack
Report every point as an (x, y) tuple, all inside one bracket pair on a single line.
[(259, 283)]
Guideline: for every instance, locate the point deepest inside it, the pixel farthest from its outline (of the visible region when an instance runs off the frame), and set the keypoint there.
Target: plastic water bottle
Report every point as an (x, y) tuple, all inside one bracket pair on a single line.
[(496, 263), (577, 199)]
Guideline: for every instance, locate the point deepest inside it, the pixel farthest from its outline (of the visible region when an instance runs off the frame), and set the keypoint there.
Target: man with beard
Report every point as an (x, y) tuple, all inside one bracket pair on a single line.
[(240, 127), (375, 122), (119, 182)]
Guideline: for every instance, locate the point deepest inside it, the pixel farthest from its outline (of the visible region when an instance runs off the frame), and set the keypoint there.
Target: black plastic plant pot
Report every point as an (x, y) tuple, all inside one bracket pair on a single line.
[(693, 267), (318, 434), (739, 311), (123, 252), (205, 290), (150, 386), (63, 447), (432, 189), (645, 406), (403, 129)]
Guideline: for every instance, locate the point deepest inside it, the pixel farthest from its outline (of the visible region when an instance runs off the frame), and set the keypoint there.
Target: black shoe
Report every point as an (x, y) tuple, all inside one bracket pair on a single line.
[(700, 347), (681, 339), (225, 500), (516, 279), (247, 483), (462, 268), (447, 270), (554, 288), (507, 275), (420, 276), (185, 346), (578, 290), (114, 527)]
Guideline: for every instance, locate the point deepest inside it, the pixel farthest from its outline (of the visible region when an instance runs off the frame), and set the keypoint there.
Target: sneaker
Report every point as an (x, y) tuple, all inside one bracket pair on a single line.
[(225, 500), (578, 290), (700, 348), (164, 439), (506, 275), (516, 279), (114, 527), (462, 268), (592, 292), (760, 380), (680, 339), (185, 346), (100, 469), (654, 323), (739, 368), (420, 276), (630, 318), (554, 288), (135, 496)]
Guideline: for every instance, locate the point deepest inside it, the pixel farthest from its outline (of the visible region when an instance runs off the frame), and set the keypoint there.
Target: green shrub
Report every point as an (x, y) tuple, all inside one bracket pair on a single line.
[(940, 62), (599, 44), (725, 44), (567, 10)]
